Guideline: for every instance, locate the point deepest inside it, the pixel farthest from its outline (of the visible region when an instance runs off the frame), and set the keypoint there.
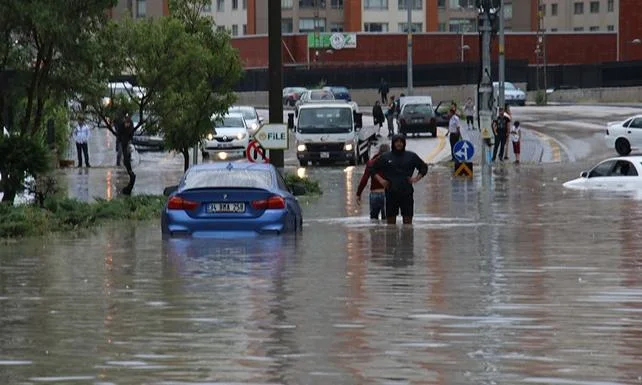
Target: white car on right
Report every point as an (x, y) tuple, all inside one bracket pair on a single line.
[(625, 135), (512, 94), (614, 174)]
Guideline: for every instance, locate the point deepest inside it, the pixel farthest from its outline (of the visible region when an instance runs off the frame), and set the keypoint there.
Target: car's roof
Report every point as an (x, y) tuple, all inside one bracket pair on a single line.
[(228, 115), (241, 108), (242, 165), (326, 104), (409, 99), (632, 158)]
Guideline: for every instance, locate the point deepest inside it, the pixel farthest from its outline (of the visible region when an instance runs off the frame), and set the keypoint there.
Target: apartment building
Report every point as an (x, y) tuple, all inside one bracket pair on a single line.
[(139, 9), (461, 15), (230, 15), (579, 15)]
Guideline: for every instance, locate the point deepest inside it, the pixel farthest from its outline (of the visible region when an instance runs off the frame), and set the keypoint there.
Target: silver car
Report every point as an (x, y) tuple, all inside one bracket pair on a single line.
[(229, 135), (251, 117)]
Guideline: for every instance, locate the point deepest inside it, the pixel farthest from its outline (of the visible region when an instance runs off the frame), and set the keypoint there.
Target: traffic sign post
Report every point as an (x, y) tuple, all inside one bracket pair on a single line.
[(255, 153), (273, 137), (464, 152)]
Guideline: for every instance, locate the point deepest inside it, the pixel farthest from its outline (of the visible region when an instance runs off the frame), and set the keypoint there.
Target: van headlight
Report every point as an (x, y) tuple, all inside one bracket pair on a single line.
[(210, 137), (348, 147), (241, 135), (301, 147), (254, 126)]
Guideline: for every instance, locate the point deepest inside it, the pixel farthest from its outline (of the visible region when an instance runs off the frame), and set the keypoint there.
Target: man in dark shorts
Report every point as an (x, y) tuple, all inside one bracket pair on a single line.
[(394, 171)]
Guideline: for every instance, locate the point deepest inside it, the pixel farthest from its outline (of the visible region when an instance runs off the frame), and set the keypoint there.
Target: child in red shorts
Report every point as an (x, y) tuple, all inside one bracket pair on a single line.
[(516, 139)]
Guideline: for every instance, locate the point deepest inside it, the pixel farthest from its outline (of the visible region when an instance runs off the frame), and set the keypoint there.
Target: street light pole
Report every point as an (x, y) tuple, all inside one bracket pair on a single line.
[(485, 105), (409, 9), (502, 57), (275, 69)]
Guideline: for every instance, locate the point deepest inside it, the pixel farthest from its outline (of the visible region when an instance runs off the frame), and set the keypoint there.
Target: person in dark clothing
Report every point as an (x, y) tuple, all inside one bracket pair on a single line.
[(125, 132), (397, 168), (500, 129), (377, 191), (383, 90), (390, 116), (378, 116)]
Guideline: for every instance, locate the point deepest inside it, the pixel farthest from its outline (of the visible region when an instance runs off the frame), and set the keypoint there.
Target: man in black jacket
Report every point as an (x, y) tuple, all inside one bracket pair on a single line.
[(125, 132), (398, 167)]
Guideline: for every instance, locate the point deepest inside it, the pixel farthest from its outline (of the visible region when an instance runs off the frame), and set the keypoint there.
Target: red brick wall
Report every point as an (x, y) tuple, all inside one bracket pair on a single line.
[(630, 29), (438, 48)]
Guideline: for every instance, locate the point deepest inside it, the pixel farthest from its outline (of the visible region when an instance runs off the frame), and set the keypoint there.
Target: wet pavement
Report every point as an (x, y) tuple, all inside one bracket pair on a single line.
[(503, 279)]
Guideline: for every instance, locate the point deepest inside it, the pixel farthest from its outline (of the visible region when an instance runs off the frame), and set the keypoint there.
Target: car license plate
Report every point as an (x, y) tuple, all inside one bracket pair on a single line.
[(226, 208), (225, 145), (325, 155), (417, 120)]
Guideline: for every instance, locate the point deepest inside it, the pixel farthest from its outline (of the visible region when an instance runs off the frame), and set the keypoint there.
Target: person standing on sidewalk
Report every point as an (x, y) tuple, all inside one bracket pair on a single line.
[(500, 129), (377, 191), (454, 131), (516, 139), (469, 111), (509, 115), (390, 116), (125, 134), (383, 90), (81, 137), (378, 117)]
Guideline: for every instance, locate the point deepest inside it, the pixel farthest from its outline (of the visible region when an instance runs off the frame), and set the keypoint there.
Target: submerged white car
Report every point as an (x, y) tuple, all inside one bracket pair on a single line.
[(623, 174), (229, 135), (625, 136)]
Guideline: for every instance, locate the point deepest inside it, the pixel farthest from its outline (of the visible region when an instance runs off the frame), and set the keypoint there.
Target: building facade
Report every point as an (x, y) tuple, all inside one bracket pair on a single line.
[(138, 9), (230, 15), (580, 15)]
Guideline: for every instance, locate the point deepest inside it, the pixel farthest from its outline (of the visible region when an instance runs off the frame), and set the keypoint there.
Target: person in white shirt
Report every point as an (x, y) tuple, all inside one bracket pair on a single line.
[(454, 130), (81, 137), (516, 139), (469, 111)]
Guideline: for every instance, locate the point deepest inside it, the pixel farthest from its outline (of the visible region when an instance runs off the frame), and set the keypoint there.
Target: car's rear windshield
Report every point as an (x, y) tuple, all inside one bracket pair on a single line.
[(234, 178), (424, 109), (229, 121), (248, 113), (321, 95), (339, 89)]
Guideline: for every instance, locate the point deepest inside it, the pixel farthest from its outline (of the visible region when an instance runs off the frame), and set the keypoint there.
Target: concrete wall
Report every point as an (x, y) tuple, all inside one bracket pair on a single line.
[(594, 95)]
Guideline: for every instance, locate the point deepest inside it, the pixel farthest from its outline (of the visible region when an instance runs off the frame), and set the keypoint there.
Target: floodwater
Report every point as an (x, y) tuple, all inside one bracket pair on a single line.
[(502, 280)]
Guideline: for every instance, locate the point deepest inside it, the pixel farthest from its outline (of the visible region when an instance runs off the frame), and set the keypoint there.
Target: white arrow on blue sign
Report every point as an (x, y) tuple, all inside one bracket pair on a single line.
[(464, 151)]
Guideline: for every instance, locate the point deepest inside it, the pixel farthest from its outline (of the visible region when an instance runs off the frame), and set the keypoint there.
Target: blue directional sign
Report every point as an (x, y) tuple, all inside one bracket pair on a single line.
[(464, 151)]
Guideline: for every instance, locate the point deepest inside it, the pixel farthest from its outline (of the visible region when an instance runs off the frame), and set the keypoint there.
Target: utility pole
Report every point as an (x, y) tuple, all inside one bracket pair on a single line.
[(502, 57), (409, 9), (540, 51), (487, 11), (275, 69)]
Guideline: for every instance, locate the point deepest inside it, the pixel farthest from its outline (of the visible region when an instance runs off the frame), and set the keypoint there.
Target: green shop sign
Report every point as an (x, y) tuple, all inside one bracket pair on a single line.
[(335, 40)]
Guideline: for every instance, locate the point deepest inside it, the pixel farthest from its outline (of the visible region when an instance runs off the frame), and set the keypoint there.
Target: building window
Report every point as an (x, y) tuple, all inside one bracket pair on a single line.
[(441, 4), (244, 4), (610, 28), (441, 27), (286, 26), (235, 30), (416, 27), (311, 25), (220, 5), (594, 28), (220, 28), (375, 27), (595, 7), (336, 4), (455, 4), (461, 25), (578, 29), (542, 9), (207, 7), (244, 29), (336, 27), (610, 5), (508, 11), (578, 8), (286, 4), (141, 8), (375, 4), (311, 3), (235, 4), (416, 4), (553, 29), (554, 9)]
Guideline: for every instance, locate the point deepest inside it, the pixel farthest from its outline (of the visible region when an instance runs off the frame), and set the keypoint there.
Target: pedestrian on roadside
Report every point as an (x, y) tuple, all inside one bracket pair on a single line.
[(378, 117), (394, 170), (377, 191), (390, 116), (119, 149), (81, 137), (125, 135), (510, 118), (516, 139), (469, 111), (383, 90), (500, 129), (454, 131)]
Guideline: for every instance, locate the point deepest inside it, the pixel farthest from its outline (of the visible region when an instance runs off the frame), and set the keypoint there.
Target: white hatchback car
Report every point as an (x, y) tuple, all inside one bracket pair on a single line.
[(623, 173), (229, 135), (625, 135)]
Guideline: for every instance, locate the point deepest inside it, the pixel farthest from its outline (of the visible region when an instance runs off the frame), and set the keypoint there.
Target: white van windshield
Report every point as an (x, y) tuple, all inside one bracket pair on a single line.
[(325, 120)]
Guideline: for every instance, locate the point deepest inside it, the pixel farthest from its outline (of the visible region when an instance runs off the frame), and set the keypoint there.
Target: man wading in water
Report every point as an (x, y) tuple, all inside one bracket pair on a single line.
[(397, 168)]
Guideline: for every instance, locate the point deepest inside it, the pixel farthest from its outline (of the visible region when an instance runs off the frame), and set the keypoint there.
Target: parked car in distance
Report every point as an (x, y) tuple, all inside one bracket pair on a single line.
[(291, 95), (312, 96), (417, 116), (229, 135), (512, 94), (340, 93), (252, 119), (625, 136), (617, 174), (231, 197), (144, 139)]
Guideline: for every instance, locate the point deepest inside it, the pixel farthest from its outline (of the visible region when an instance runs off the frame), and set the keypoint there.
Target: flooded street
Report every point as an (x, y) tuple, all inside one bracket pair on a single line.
[(509, 279)]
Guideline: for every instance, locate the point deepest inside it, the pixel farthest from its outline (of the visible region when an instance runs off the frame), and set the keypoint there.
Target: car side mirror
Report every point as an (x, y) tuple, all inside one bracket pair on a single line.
[(358, 121), (290, 121), (584, 174), (261, 120), (298, 189), (170, 190)]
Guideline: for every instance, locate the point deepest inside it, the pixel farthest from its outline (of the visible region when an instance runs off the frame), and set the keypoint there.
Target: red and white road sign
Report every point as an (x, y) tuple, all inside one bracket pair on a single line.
[(255, 153)]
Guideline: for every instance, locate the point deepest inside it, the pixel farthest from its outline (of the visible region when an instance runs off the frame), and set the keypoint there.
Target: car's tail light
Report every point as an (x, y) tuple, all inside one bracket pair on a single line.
[(272, 203), (178, 203)]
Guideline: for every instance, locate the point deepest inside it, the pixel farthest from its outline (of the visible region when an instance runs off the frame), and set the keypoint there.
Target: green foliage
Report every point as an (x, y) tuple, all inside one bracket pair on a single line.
[(312, 187), (20, 155), (540, 98), (59, 215)]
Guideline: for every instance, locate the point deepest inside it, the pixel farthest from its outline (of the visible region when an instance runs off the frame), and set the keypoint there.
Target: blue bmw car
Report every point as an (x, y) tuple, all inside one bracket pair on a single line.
[(231, 197)]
